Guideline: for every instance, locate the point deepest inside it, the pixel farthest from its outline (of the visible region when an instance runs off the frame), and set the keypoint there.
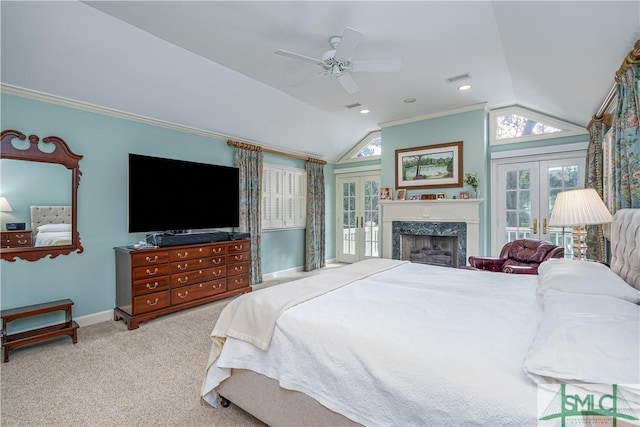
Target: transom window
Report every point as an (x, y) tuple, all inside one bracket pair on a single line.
[(369, 148)]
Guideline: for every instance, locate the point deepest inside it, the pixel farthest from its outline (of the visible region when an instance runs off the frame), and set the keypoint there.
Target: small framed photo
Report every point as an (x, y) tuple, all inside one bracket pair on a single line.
[(385, 193), (427, 197), (441, 196), (415, 197), (401, 194), (463, 195)]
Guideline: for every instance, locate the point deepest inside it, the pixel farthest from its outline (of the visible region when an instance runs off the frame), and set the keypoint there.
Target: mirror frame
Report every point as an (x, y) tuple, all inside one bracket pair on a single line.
[(61, 155)]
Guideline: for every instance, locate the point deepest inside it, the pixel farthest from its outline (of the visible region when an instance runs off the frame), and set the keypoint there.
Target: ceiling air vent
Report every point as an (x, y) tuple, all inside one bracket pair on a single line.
[(455, 79), (354, 105)]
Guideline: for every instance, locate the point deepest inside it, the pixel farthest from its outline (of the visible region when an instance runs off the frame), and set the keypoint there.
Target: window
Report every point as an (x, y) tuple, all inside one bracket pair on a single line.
[(369, 148), (516, 124), (284, 195)]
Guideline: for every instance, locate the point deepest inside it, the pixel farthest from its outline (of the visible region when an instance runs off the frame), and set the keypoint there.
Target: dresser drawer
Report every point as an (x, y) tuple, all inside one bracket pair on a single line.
[(143, 287), (235, 269), (197, 276), (195, 264), (196, 252), (239, 246), (155, 301), (197, 291), (237, 282), (237, 258), (15, 239), (149, 258), (151, 271)]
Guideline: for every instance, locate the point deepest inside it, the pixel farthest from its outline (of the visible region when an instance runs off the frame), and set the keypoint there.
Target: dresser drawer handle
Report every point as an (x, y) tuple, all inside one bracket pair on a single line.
[(216, 261), (238, 281), (152, 303), (239, 257), (239, 268), (150, 286), (218, 286), (152, 273), (238, 247), (22, 242), (182, 267), (216, 250), (217, 273), (19, 236), (183, 255), (183, 296), (180, 279), (154, 259)]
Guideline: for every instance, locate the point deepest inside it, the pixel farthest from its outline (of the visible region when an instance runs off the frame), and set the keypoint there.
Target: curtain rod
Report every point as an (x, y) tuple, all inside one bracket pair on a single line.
[(633, 57), (255, 147)]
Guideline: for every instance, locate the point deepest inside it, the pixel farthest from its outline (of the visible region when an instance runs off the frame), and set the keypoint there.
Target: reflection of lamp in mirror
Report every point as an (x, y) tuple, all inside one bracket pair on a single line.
[(579, 208), (4, 205)]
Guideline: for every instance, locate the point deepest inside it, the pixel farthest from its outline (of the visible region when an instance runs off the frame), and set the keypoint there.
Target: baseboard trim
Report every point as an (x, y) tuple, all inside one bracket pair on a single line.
[(92, 319)]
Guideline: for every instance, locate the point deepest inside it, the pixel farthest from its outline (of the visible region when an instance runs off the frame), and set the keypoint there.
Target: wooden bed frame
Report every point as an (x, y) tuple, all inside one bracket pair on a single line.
[(266, 400)]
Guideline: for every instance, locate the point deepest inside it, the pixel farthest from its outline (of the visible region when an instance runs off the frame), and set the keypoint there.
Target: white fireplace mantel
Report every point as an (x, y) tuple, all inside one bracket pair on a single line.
[(448, 210)]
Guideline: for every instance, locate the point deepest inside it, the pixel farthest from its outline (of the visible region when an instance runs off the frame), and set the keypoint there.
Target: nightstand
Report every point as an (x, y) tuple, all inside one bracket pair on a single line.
[(15, 238)]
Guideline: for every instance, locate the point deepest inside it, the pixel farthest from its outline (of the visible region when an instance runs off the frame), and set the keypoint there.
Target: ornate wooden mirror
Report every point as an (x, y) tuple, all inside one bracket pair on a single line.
[(39, 215)]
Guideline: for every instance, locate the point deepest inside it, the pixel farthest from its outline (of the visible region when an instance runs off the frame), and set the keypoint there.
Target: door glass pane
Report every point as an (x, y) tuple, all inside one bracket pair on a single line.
[(349, 218), (562, 178), (371, 229), (512, 180)]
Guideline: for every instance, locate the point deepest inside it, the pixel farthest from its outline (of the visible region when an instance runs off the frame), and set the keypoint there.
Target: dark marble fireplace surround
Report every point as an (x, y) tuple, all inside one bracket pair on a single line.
[(427, 228)]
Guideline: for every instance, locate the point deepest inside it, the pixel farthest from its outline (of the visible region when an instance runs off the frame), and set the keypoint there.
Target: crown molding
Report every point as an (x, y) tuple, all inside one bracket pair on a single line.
[(473, 107), (112, 112)]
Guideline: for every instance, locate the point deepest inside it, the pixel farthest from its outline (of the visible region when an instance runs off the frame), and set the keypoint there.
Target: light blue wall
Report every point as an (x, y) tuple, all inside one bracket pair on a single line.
[(89, 278), (469, 127)]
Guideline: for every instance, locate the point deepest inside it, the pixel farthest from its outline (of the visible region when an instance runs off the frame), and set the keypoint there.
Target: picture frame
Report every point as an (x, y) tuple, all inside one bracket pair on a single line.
[(401, 194), (427, 197), (415, 197), (463, 195), (441, 196), (386, 193), (430, 166)]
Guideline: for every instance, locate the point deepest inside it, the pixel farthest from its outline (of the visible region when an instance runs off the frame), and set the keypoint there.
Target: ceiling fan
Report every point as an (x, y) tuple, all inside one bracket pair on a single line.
[(337, 61)]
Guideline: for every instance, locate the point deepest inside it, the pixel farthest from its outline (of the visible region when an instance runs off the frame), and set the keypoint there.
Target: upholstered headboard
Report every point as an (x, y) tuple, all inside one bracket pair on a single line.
[(625, 245), (41, 215)]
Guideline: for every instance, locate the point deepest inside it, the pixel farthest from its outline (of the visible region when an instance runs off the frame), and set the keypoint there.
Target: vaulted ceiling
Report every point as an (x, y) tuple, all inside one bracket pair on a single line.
[(211, 65)]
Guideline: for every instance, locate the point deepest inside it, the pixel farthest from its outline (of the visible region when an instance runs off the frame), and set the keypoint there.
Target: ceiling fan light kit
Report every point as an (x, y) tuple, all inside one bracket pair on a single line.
[(337, 62)]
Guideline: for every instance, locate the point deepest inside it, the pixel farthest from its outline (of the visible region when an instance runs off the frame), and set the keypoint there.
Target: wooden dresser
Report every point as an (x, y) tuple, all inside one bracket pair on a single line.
[(15, 239), (154, 282)]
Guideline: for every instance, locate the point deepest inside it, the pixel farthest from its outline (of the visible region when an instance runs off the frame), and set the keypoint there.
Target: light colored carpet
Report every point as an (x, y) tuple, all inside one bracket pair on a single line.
[(150, 376)]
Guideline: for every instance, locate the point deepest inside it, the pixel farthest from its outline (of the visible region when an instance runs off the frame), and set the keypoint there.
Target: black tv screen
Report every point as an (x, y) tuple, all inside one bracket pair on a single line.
[(167, 195)]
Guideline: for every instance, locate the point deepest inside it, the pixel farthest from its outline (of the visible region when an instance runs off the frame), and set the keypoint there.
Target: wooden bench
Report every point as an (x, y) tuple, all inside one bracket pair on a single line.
[(11, 341)]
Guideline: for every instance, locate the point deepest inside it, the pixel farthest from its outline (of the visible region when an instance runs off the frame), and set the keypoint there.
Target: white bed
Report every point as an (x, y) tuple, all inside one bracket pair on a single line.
[(385, 342), (51, 225)]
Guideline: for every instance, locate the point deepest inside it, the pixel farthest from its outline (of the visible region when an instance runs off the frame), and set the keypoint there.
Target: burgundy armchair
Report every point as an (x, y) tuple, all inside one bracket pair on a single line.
[(521, 256)]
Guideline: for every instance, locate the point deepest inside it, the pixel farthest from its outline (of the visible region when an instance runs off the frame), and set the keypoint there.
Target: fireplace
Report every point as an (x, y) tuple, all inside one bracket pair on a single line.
[(458, 221), (426, 242)]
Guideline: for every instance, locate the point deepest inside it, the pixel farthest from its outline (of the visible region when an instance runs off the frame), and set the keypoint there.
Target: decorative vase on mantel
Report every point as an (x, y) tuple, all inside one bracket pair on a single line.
[(476, 193)]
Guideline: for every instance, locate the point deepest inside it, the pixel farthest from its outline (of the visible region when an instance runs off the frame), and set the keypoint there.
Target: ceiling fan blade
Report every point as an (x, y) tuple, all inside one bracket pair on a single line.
[(348, 43), (300, 57), (385, 65), (348, 83), (307, 79)]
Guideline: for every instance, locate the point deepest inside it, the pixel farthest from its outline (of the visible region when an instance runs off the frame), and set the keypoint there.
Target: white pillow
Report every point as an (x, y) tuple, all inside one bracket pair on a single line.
[(54, 227), (586, 339), (583, 277)]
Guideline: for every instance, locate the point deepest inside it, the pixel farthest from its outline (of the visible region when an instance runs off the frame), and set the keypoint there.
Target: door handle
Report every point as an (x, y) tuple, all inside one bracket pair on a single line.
[(545, 229), (535, 226), (362, 221)]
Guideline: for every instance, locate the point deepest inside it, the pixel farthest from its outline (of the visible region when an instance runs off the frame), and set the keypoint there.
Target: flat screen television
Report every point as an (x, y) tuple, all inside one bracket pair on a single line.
[(167, 195)]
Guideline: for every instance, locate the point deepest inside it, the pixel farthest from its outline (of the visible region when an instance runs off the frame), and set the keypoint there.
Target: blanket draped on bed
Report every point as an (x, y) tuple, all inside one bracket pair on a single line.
[(252, 318)]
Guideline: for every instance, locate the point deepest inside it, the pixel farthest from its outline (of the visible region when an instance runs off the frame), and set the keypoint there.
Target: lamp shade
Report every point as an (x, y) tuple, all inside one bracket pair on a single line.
[(4, 205), (579, 207)]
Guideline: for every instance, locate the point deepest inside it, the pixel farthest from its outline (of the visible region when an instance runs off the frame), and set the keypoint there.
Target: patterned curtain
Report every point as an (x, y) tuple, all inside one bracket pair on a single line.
[(626, 142), (250, 164), (595, 234), (315, 232)]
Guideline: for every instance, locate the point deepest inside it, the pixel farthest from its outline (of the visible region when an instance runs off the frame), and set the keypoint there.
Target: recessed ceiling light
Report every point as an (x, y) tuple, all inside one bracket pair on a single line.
[(464, 87), (409, 100), (365, 111)]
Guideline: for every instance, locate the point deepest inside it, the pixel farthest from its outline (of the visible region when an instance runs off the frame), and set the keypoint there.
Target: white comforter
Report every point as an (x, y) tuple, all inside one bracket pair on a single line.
[(414, 345)]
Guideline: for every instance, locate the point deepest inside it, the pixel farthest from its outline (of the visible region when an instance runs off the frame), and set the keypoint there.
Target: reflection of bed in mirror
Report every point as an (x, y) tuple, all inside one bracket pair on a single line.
[(51, 225)]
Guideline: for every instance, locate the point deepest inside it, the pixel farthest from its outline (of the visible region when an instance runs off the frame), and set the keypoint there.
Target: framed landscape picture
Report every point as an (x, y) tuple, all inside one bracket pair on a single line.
[(431, 166)]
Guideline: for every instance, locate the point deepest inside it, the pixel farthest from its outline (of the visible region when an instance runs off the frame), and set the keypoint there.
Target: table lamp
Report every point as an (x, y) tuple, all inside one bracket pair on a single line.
[(4, 205), (579, 208)]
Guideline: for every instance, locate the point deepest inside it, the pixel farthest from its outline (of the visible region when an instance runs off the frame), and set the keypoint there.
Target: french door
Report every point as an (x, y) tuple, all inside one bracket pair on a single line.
[(526, 190), (357, 222)]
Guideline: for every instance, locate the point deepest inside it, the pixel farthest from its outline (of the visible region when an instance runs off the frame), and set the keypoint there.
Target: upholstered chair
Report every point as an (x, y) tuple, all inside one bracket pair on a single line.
[(522, 256)]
